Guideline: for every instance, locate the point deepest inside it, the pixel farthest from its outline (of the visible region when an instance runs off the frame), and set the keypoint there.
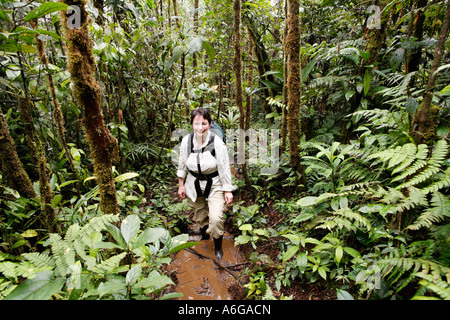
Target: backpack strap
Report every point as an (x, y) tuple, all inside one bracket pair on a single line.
[(209, 146), (199, 175)]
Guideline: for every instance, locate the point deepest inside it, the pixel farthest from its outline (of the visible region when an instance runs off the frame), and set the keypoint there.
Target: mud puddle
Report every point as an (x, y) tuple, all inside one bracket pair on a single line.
[(199, 278)]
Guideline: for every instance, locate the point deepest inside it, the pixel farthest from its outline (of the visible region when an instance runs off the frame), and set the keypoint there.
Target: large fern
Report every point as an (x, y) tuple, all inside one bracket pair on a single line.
[(64, 251), (438, 210)]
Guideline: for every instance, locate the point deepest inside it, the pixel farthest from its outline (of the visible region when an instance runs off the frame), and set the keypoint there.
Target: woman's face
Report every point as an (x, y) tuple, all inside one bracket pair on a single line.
[(200, 125)]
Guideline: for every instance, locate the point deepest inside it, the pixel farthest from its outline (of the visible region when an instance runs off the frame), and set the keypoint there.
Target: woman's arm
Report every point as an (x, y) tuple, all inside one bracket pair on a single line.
[(181, 189)]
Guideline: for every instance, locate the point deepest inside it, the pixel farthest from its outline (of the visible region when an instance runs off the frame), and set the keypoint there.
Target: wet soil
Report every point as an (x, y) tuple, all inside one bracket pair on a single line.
[(199, 277)]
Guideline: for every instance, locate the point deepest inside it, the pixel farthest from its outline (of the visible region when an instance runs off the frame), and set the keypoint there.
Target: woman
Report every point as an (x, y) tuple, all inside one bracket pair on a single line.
[(204, 160)]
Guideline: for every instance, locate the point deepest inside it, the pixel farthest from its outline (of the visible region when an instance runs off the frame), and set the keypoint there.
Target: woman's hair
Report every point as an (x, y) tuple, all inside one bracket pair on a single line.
[(202, 112)]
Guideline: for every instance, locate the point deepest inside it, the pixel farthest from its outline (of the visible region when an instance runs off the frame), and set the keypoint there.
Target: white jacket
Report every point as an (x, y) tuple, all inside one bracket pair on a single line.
[(208, 164)]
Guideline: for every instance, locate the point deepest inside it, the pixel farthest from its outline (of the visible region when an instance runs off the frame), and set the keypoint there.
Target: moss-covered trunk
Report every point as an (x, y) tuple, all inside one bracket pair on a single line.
[(294, 83), (57, 113), (103, 145), (237, 64), (427, 116), (14, 175), (40, 160), (285, 88), (376, 36)]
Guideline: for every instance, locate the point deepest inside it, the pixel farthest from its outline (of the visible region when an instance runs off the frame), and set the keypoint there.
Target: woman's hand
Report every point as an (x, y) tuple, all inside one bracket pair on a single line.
[(228, 197), (181, 189), (181, 192)]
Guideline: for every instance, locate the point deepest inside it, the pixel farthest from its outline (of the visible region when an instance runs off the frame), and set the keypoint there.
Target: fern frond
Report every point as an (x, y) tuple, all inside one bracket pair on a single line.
[(443, 182), (421, 155), (99, 223), (345, 218), (433, 165), (108, 265), (438, 286), (40, 260), (60, 248), (417, 264), (440, 205), (415, 198)]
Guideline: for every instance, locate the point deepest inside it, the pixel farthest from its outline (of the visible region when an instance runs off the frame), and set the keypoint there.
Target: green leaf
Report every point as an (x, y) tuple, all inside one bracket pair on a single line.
[(322, 272), (241, 239), (133, 274), (56, 199), (349, 94), (117, 235), (306, 70), (343, 295), (209, 50), (126, 176), (171, 295), (130, 228), (339, 253), (41, 287), (45, 8), (446, 91), (307, 201), (154, 281), (302, 261), (367, 81), (246, 227), (4, 16), (177, 52), (29, 233), (149, 235), (290, 253), (12, 46), (111, 287)]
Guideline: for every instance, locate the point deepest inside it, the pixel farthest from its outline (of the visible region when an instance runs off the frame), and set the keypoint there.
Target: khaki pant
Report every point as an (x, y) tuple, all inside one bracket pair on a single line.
[(210, 212)]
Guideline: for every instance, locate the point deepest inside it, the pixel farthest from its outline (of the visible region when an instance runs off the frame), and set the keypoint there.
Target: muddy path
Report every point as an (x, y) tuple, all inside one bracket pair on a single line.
[(198, 277)]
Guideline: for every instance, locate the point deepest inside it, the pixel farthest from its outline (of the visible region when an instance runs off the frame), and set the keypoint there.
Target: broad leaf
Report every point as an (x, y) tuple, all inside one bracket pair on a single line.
[(126, 176), (130, 227), (45, 8), (290, 253), (41, 287)]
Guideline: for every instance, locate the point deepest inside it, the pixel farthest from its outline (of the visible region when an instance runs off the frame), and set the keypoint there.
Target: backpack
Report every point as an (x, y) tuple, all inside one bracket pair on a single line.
[(199, 175), (218, 130)]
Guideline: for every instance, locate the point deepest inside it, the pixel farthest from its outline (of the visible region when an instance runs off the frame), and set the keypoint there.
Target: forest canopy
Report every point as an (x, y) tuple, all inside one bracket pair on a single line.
[(336, 117)]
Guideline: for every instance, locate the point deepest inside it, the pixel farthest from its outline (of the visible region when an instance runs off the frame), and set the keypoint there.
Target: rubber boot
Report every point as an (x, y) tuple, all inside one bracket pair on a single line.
[(205, 236), (218, 248)]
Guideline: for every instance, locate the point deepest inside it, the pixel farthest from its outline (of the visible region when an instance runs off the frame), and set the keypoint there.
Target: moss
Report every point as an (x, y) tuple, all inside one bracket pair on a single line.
[(294, 83), (103, 146), (40, 160), (14, 174)]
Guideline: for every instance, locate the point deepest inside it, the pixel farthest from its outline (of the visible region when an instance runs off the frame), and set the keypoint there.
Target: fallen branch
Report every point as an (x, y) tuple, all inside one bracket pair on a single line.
[(221, 266)]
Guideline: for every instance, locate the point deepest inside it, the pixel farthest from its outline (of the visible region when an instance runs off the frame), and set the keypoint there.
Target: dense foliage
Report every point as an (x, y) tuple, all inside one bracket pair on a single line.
[(365, 215)]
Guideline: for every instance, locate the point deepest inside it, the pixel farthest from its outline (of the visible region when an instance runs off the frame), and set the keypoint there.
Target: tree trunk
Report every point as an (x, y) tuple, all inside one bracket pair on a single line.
[(263, 62), (57, 113), (376, 37), (285, 76), (194, 56), (38, 155), (237, 70), (14, 174), (248, 105), (414, 59), (427, 116), (294, 84), (103, 145)]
